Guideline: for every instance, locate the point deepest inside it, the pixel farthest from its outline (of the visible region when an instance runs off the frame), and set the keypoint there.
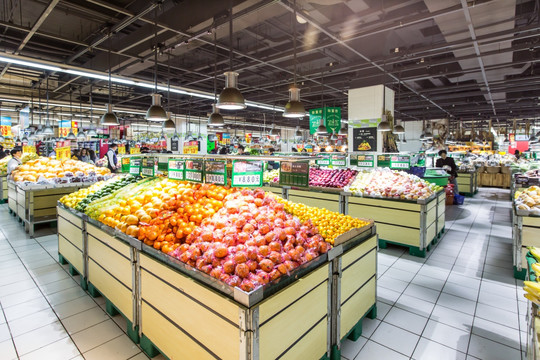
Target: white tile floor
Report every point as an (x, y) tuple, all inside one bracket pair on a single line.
[(461, 302)]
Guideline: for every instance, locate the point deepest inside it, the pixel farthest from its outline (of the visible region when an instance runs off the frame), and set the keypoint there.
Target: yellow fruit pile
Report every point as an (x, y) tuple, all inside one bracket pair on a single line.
[(71, 200), (51, 168), (532, 288), (330, 224)]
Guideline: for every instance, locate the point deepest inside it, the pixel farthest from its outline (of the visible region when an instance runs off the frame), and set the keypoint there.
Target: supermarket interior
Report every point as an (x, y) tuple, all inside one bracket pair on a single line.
[(270, 179)]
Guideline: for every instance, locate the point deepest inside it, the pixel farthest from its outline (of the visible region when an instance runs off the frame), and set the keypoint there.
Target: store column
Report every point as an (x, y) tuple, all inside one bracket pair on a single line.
[(365, 111)]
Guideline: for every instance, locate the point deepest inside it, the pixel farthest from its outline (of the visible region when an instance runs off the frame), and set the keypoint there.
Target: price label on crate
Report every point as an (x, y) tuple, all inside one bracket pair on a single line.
[(247, 173), (325, 161), (383, 160), (215, 172), (149, 167), (401, 162), (194, 170), (338, 160), (175, 169), (294, 173), (366, 161), (135, 166)]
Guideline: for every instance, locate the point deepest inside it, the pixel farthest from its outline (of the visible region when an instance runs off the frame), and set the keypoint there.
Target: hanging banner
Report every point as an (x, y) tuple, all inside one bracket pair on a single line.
[(134, 150), (247, 173), (75, 127), (5, 126), (194, 171), (315, 116), (63, 128), (365, 139), (332, 119), (176, 169), (121, 149), (174, 145), (249, 136), (215, 172), (191, 147)]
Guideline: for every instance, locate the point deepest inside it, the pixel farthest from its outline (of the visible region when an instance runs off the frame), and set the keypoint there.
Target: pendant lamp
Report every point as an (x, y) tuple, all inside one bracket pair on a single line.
[(399, 129), (109, 118), (231, 98), (169, 124), (294, 108), (71, 135), (334, 136), (298, 133), (343, 132), (156, 111), (48, 130), (39, 130), (321, 130), (384, 125)]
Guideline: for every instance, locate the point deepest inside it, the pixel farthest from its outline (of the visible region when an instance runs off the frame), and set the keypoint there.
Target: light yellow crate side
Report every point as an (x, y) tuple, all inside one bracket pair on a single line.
[(108, 239), (21, 211), (384, 202), (441, 197), (74, 219), (357, 306), (113, 290), (431, 215), (310, 347), (440, 223), (431, 232), (46, 201), (430, 206), (20, 197), (70, 232), (168, 338), (315, 194), (531, 221), (398, 234), (441, 209), (286, 296), (215, 333), (530, 236), (71, 253), (227, 308), (44, 212), (281, 331), (318, 203), (110, 260), (353, 277), (395, 216), (524, 263), (357, 252)]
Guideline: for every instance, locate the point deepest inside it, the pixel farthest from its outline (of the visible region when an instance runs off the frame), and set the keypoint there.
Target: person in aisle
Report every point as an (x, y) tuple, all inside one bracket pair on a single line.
[(112, 160), (2, 153), (52, 154), (15, 160), (448, 164), (517, 154), (76, 155), (92, 155), (241, 149), (223, 151), (272, 165), (85, 156)]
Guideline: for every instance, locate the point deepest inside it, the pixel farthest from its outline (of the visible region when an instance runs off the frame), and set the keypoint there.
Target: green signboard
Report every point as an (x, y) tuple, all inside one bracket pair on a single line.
[(194, 170), (125, 164), (383, 160), (315, 116), (338, 160), (332, 119), (176, 169), (365, 160), (215, 172), (325, 161), (135, 166), (247, 173), (294, 174), (148, 167), (400, 162)]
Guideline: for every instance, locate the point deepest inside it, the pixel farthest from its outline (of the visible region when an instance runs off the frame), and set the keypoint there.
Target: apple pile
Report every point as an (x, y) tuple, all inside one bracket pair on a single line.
[(250, 241), (333, 178)]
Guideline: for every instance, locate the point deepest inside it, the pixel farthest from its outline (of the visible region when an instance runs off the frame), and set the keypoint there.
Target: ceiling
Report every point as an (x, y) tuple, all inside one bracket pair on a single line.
[(454, 59)]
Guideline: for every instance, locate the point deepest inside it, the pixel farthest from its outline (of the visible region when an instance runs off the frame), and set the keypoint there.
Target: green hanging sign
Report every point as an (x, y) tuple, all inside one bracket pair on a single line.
[(315, 116), (176, 169), (332, 119), (247, 173), (194, 171)]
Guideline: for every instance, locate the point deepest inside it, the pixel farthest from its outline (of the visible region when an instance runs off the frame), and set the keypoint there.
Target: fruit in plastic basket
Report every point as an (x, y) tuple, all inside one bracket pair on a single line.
[(28, 156), (529, 200), (46, 168), (334, 178), (386, 183), (330, 224)]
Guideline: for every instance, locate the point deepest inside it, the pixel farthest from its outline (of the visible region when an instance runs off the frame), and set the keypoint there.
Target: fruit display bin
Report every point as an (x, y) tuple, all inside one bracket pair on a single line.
[(525, 230), (12, 197), (181, 312), (36, 204), (468, 183), (3, 189), (414, 224), (324, 198)]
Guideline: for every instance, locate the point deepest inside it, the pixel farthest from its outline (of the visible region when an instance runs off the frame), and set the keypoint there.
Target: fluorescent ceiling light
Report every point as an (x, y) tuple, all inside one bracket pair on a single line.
[(30, 64)]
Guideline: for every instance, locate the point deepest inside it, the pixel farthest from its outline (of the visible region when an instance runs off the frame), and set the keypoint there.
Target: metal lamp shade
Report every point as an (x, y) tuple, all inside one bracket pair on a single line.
[(231, 98), (343, 132), (398, 129), (321, 130), (156, 111), (48, 130), (384, 125), (71, 136), (169, 124), (215, 118), (297, 133), (109, 118), (91, 132), (294, 108)]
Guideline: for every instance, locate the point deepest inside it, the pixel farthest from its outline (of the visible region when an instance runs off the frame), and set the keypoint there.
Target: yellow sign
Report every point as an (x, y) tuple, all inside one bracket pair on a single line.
[(30, 149), (125, 161), (133, 150), (121, 150), (191, 147), (63, 153)]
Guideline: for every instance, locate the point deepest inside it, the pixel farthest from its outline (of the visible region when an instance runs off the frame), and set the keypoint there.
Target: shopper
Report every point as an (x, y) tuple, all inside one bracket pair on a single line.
[(92, 155), (448, 164), (272, 165), (15, 160), (112, 160), (241, 149), (2, 153), (223, 151), (85, 156), (517, 154)]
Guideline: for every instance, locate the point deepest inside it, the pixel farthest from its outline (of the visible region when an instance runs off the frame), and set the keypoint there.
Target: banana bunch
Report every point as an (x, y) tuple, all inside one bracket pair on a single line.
[(532, 288)]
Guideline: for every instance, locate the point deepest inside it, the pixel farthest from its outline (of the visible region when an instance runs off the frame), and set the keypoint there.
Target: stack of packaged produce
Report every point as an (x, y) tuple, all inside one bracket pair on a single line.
[(331, 178)]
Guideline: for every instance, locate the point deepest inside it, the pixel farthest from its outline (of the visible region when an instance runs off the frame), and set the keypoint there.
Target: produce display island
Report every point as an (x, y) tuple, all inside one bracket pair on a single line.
[(468, 183), (525, 230), (181, 312)]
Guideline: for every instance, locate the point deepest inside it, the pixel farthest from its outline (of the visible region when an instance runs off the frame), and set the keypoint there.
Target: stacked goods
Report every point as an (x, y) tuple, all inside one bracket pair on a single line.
[(386, 183), (46, 171), (3, 165), (333, 178), (330, 224), (108, 188), (528, 200), (271, 176)]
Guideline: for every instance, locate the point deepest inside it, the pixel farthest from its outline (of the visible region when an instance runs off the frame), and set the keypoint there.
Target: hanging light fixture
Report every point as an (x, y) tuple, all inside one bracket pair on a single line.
[(398, 129), (48, 130), (169, 124), (343, 131), (294, 108), (81, 135), (321, 130), (156, 111), (71, 135), (334, 136), (297, 132), (39, 131), (231, 98), (91, 131), (215, 119), (109, 118), (384, 125)]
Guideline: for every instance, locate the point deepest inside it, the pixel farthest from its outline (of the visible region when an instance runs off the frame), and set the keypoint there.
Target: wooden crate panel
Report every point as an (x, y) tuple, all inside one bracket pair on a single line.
[(530, 236), (291, 293), (379, 214), (319, 195), (70, 232), (21, 211), (312, 201), (48, 201), (356, 306), (441, 209), (431, 215), (357, 274), (399, 234), (44, 212), (441, 223), (111, 288), (109, 240), (21, 198), (277, 335), (202, 321), (173, 342), (71, 253), (116, 264), (431, 232), (227, 308), (355, 253), (310, 347), (531, 221), (72, 218), (384, 203)]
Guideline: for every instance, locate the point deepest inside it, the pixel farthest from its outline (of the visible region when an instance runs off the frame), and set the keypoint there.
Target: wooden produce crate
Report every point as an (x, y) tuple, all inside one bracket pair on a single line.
[(72, 245), (317, 197), (525, 232), (441, 213), (12, 197), (466, 183), (495, 180), (400, 222), (3, 189)]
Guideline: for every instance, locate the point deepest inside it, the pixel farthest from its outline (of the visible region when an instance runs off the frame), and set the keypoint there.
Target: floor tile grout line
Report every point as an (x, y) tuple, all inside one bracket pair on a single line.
[(10, 333)]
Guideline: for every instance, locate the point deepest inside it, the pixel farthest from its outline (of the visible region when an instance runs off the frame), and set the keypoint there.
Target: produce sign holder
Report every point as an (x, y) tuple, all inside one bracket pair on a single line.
[(294, 173), (525, 230), (400, 162), (148, 166), (215, 172), (125, 164), (176, 169), (338, 160), (135, 165), (325, 161), (383, 160), (363, 160), (323, 298), (193, 170), (247, 173)]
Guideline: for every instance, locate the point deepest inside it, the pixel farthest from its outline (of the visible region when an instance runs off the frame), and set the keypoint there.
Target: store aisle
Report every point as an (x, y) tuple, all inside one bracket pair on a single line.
[(461, 302)]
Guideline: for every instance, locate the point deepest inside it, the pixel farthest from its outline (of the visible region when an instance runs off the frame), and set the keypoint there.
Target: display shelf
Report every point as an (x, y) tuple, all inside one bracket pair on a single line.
[(317, 197), (467, 183), (441, 214), (184, 313), (525, 230), (3, 189), (71, 241)]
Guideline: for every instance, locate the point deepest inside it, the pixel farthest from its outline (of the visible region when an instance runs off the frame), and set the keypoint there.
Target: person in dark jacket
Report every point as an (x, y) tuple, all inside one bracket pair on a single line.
[(448, 164), (112, 159)]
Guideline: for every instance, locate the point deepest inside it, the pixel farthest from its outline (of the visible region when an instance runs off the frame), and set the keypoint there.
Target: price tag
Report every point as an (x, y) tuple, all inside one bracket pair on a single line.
[(400, 162), (194, 170), (121, 150), (294, 174), (134, 150), (247, 173), (149, 166), (134, 166), (194, 176), (338, 161), (30, 149), (383, 160), (176, 169), (215, 172), (325, 161)]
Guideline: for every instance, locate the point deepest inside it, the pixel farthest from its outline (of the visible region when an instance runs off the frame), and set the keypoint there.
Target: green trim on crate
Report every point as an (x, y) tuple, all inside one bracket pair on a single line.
[(356, 331), (84, 283), (3, 201), (93, 291), (335, 354), (62, 260), (413, 250), (53, 223), (72, 270), (467, 194), (110, 308), (149, 348), (520, 275), (133, 332)]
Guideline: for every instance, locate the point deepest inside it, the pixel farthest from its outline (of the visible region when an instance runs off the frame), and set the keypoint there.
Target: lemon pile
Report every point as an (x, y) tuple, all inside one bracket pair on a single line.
[(71, 200)]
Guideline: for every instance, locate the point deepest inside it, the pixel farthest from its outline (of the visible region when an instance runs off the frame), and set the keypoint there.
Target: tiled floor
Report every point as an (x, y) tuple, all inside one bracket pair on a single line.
[(461, 302)]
